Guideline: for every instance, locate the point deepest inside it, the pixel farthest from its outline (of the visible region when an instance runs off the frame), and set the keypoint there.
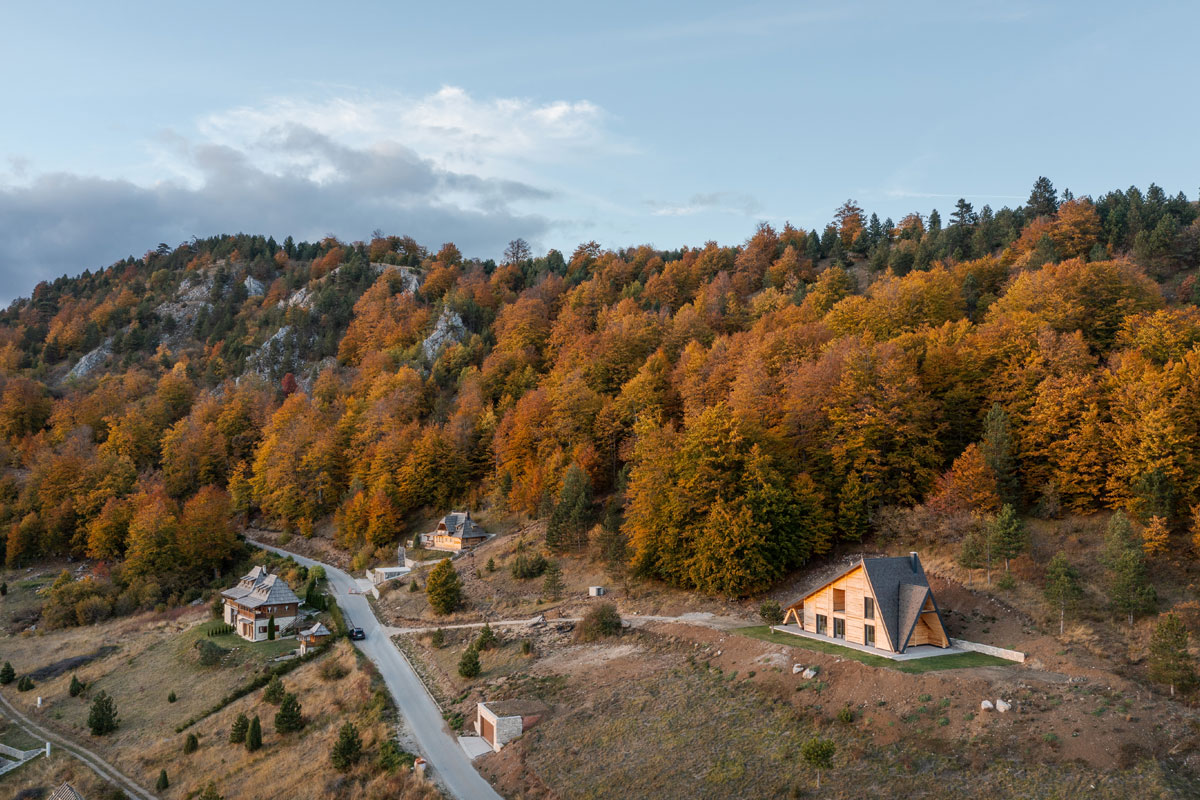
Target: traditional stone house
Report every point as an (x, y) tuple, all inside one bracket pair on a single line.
[(313, 637), (499, 722), (457, 531), (257, 598), (883, 603)]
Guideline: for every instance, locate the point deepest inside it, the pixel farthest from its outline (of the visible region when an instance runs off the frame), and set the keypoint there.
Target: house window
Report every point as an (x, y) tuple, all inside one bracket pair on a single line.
[(868, 608), (262, 629), (839, 628), (839, 600), (822, 625), (869, 635)]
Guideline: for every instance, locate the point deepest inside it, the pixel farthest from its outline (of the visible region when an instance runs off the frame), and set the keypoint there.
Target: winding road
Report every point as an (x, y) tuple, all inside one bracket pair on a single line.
[(450, 765)]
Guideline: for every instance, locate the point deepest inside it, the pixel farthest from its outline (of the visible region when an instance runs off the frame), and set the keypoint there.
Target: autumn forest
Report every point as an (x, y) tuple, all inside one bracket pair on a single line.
[(711, 417)]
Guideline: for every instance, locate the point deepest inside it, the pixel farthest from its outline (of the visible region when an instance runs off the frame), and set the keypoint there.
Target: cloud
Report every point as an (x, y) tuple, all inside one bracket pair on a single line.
[(306, 169), (711, 202)]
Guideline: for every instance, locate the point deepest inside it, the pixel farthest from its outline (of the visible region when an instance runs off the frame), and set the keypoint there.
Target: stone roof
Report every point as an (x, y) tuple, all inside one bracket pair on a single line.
[(65, 792), (259, 587), (515, 708), (460, 525)]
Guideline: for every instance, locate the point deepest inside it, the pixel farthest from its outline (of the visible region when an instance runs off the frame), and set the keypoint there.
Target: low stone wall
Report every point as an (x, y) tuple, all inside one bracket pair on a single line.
[(998, 652), (13, 752)]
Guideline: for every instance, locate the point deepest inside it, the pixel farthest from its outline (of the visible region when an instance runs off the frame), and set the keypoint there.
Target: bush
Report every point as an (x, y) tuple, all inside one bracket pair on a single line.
[(93, 609), (468, 665), (171, 697), (191, 744), (25, 684), (845, 714), (332, 670), (526, 647), (526, 566), (76, 687), (289, 719), (491, 565), (348, 748), (1006, 582), (487, 638), (438, 639), (4, 589), (771, 612), (210, 654), (599, 622), (237, 732), (275, 691), (393, 759), (413, 586)]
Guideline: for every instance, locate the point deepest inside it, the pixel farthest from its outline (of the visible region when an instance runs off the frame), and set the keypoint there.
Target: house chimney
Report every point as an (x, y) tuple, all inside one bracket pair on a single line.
[(912, 556)]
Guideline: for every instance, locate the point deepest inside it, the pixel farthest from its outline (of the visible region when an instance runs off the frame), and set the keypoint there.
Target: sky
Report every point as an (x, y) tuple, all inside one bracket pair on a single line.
[(626, 123)]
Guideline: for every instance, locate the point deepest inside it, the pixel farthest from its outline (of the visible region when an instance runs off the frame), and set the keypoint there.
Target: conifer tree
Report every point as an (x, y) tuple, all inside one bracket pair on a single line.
[(818, 754), (1008, 535), (970, 552), (568, 524), (1129, 589), (1170, 662), (162, 784), (275, 691), (103, 719), (1062, 587), (191, 744), (444, 588), (237, 731), (487, 638), (468, 665), (254, 735), (1118, 538), (7, 674), (348, 748), (289, 718), (552, 584), (1043, 200), (210, 793), (271, 628), (997, 448)]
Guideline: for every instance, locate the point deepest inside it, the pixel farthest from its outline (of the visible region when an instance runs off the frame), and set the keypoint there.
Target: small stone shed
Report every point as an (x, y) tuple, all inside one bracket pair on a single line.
[(501, 721)]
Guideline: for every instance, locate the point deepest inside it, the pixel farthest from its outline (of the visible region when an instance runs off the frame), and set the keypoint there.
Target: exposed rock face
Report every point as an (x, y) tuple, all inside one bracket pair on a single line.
[(301, 297), (254, 287), (411, 281), (90, 361), (262, 361), (449, 329)]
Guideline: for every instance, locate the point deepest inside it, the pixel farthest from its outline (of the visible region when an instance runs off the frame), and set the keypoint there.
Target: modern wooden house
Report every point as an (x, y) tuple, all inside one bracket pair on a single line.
[(457, 531), (257, 598), (885, 603)]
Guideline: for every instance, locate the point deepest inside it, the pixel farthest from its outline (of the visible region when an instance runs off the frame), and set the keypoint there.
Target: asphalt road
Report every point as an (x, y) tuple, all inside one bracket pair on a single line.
[(449, 764)]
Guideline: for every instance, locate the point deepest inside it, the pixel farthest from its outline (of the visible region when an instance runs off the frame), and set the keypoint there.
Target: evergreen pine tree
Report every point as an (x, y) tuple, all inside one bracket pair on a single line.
[(1129, 589), (348, 748), (491, 565), (569, 521), (438, 639), (1118, 538), (191, 744), (970, 553), (7, 674), (1008, 535), (271, 628), (818, 754), (468, 665), (1043, 200), (289, 718), (275, 691), (237, 731), (254, 735), (552, 584), (487, 638), (103, 719), (444, 588), (162, 784), (1062, 587), (210, 793), (3, 588), (997, 449), (171, 697), (1170, 662)]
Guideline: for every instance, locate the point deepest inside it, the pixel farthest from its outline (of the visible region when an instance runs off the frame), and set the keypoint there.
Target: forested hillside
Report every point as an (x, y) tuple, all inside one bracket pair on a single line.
[(723, 413)]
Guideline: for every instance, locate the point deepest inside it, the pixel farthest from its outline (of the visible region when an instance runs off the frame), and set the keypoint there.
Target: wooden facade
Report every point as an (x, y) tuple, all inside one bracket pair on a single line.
[(844, 608)]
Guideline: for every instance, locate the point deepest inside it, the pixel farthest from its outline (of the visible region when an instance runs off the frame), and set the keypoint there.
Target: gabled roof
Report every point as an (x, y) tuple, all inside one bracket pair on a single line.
[(65, 792), (460, 525), (259, 587)]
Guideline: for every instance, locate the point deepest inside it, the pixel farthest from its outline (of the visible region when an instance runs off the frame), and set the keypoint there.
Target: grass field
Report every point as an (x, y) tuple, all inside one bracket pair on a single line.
[(915, 666)]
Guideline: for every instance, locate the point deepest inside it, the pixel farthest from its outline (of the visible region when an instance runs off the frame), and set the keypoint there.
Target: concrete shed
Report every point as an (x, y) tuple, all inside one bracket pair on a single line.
[(596, 591), (501, 721)]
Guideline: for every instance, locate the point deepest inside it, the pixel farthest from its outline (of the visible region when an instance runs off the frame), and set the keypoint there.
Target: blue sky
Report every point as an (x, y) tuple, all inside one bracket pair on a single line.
[(626, 123)]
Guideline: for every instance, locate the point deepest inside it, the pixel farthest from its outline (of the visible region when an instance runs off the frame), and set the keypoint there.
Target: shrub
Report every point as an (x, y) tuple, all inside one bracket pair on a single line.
[(4, 589), (1006, 582), (7, 674), (191, 744), (438, 639), (210, 654), (526, 647), (76, 687), (210, 793), (393, 759), (348, 748), (599, 622), (25, 684), (413, 586), (526, 566), (254, 735), (289, 719), (444, 588), (771, 612), (491, 565), (162, 784), (845, 715), (92, 609), (237, 732), (468, 665), (275, 691), (332, 670), (103, 719), (818, 754), (171, 698), (487, 638)]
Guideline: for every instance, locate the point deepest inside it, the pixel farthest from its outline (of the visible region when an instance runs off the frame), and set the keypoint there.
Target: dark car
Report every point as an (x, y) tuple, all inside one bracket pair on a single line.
[(357, 633)]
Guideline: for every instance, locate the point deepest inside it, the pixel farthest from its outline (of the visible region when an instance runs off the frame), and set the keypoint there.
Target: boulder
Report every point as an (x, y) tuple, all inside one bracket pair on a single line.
[(797, 668), (808, 674), (1003, 706), (986, 705)]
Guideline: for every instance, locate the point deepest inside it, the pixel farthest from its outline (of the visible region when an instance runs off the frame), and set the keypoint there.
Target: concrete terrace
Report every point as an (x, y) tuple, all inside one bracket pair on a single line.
[(912, 653)]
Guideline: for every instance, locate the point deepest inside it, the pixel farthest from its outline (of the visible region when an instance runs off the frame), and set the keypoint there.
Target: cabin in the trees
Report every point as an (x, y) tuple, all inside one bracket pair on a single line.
[(457, 531), (257, 598), (884, 603), (499, 722)]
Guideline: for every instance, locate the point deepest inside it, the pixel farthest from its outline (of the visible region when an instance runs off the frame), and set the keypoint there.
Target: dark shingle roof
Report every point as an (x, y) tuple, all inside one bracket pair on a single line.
[(900, 589), (65, 792)]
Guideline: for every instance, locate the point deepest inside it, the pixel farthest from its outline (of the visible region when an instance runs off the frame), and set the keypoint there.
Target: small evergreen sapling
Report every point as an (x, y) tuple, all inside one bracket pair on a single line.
[(172, 697), (162, 784), (348, 748), (487, 638), (7, 674), (289, 718), (271, 628), (237, 731), (103, 719), (818, 754), (468, 665), (254, 735), (25, 684), (210, 793), (770, 612), (1170, 662), (552, 584), (191, 744), (275, 691)]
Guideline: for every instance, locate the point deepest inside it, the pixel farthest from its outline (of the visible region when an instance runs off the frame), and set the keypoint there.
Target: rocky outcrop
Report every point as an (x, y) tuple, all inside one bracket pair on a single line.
[(411, 280), (448, 330), (254, 287), (91, 361)]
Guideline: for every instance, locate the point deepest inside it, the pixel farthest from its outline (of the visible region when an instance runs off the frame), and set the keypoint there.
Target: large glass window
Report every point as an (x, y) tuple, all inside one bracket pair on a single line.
[(869, 635), (868, 608), (839, 628), (822, 624)]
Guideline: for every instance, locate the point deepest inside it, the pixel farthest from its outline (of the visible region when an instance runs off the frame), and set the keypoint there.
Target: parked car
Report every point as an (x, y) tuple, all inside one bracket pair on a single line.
[(357, 633)]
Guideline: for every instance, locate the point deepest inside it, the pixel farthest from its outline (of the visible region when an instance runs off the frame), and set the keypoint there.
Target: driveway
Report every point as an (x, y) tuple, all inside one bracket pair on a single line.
[(450, 765)]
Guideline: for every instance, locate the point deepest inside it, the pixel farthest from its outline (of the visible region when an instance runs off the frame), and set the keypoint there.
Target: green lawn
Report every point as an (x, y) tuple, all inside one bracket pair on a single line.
[(229, 641), (13, 736), (918, 665)]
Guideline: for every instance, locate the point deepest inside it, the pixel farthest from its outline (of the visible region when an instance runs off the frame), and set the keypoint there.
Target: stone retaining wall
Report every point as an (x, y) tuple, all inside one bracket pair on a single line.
[(998, 652)]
